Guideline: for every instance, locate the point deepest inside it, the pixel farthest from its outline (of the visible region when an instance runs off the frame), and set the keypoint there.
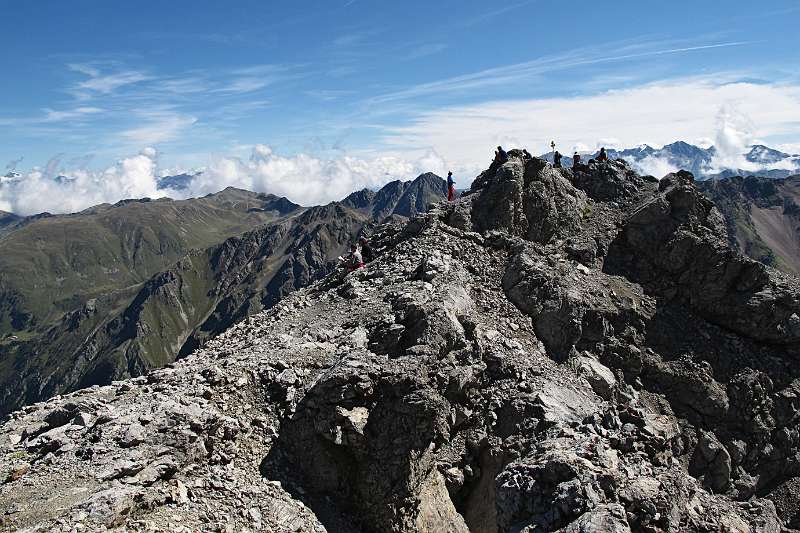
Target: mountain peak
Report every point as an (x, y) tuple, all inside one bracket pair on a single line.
[(762, 154)]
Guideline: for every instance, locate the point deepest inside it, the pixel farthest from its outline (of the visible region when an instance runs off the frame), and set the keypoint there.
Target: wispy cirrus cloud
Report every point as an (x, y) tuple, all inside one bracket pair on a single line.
[(514, 73), (158, 127), (104, 83), (254, 78), (483, 17), (77, 113), (49, 116), (191, 84), (128, 107)]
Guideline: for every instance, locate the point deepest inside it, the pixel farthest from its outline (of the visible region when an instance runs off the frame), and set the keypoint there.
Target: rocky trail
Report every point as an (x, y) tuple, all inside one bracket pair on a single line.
[(555, 351)]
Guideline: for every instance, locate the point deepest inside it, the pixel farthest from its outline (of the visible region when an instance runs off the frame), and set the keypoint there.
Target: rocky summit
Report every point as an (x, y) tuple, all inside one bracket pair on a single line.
[(558, 350)]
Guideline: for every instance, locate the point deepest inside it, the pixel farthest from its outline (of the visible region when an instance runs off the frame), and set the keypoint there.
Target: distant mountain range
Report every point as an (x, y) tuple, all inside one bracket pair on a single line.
[(116, 290), (704, 163), (759, 160)]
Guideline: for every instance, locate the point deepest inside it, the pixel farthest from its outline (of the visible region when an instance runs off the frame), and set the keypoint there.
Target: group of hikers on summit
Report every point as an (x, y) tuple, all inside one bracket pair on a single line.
[(501, 156), (361, 253)]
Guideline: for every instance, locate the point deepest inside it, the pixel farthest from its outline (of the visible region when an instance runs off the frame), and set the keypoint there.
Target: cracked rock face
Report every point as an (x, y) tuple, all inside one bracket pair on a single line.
[(555, 351)]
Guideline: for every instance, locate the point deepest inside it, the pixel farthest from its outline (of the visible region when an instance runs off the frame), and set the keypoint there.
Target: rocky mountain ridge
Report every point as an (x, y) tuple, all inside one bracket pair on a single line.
[(555, 351)]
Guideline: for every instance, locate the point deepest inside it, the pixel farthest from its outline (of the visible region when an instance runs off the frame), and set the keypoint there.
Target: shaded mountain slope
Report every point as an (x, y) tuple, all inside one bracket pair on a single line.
[(555, 351), (6, 220), (398, 197), (762, 216)]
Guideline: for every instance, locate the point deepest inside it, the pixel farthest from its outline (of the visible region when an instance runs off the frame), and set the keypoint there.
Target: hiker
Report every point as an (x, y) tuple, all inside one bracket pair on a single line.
[(500, 155), (576, 160), (556, 159), (526, 154), (367, 254), (354, 261), (451, 187), (602, 156)]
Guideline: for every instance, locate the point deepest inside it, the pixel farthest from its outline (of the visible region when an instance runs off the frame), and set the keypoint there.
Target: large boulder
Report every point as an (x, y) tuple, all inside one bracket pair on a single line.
[(567, 303), (555, 485), (366, 435)]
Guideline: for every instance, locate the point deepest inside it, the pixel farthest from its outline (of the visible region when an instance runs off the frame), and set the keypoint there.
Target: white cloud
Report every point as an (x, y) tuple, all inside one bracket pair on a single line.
[(159, 127), (303, 178), (246, 85), (36, 192), (310, 180), (609, 142), (51, 116), (108, 83), (249, 79), (661, 112), (704, 142), (84, 68), (655, 166), (789, 148), (77, 113), (735, 135), (507, 75)]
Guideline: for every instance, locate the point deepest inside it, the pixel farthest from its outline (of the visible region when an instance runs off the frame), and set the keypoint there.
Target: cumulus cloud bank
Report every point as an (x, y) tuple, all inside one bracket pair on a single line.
[(656, 113), (307, 179), (44, 190), (302, 178)]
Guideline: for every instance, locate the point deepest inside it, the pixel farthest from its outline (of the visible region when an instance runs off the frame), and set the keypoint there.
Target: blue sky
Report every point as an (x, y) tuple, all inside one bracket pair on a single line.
[(88, 83)]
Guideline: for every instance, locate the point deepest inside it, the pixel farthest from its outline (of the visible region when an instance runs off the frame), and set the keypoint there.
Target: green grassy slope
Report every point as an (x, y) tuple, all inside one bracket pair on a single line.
[(50, 265)]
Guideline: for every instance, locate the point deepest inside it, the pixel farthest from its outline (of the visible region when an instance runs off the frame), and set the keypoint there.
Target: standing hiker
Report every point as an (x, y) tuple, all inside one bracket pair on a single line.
[(576, 160), (451, 187), (556, 159)]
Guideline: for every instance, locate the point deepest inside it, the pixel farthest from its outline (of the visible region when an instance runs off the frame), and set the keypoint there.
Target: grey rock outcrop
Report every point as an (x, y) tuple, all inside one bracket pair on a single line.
[(529, 198)]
